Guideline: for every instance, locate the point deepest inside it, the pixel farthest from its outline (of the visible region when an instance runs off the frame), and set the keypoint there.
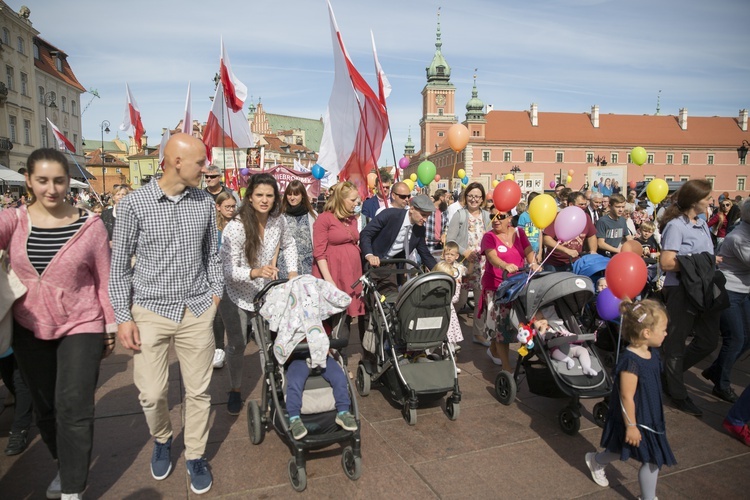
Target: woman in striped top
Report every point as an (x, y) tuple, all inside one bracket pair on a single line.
[(62, 255)]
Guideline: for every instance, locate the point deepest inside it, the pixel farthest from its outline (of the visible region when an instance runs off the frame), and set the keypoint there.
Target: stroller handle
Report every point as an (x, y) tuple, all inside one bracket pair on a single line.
[(269, 285), (414, 267), (524, 269)]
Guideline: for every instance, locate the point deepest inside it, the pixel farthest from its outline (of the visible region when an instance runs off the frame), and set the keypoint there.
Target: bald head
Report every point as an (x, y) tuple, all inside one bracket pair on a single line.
[(184, 160), (178, 146)]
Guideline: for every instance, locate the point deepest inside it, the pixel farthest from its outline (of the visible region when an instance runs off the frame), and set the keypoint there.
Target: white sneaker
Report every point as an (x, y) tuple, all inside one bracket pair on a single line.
[(597, 470), (72, 496), (54, 490), (219, 356), (497, 361)]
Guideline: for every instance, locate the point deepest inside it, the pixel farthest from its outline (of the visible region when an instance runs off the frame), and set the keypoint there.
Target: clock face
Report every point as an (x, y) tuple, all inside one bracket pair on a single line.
[(440, 99)]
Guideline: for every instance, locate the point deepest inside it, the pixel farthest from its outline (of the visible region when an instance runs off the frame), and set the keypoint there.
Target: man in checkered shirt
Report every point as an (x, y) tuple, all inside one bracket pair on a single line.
[(169, 296)]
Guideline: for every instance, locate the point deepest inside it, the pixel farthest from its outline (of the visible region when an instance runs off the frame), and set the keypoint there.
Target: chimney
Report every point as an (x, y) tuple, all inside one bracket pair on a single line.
[(490, 107), (682, 120), (595, 115), (534, 115), (144, 141), (743, 120)]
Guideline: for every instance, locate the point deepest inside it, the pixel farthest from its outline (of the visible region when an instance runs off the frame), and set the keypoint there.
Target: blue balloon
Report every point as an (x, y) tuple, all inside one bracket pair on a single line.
[(607, 305), (419, 183), (318, 172), (465, 180)]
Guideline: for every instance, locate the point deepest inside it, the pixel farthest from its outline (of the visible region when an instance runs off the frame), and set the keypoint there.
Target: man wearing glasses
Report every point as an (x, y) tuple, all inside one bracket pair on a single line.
[(214, 187)]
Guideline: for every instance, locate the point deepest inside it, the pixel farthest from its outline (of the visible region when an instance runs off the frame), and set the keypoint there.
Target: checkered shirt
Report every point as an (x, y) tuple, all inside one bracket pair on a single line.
[(431, 238)]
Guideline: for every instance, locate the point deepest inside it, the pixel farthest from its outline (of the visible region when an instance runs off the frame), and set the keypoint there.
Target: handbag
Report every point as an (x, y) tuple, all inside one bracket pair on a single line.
[(11, 289)]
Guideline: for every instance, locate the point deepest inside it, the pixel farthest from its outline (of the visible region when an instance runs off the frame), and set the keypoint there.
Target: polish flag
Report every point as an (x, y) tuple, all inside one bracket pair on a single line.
[(226, 128), (187, 122), (384, 86), (132, 124), (355, 123), (164, 139), (62, 141), (235, 92)]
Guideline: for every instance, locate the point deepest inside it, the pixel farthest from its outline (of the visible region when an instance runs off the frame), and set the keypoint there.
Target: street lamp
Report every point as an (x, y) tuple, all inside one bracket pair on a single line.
[(515, 169), (600, 161), (49, 102), (742, 150), (105, 128)]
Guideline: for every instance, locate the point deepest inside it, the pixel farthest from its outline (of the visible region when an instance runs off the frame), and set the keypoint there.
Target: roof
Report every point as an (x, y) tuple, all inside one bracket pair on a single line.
[(109, 146), (313, 128), (625, 130), (276, 144), (94, 159), (46, 63)]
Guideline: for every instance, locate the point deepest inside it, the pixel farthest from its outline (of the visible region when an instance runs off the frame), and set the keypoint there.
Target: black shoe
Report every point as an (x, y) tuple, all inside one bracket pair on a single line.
[(17, 442), (687, 406), (727, 395), (707, 374), (234, 405)]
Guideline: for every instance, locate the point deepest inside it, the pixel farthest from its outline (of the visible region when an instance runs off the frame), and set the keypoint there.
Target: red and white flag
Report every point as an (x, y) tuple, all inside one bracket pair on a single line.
[(187, 122), (235, 91), (384, 86), (226, 128), (355, 123), (132, 124), (62, 141)]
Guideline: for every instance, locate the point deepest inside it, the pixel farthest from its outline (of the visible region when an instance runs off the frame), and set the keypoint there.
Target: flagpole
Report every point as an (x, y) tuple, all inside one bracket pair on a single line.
[(393, 149), (84, 177)]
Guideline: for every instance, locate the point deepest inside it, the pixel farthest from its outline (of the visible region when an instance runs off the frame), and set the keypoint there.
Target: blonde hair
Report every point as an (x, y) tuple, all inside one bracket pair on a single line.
[(444, 267), (639, 316), (335, 203), (648, 226)]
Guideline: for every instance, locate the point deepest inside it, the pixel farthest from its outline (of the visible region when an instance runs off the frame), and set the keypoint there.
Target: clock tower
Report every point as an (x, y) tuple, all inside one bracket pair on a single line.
[(438, 101)]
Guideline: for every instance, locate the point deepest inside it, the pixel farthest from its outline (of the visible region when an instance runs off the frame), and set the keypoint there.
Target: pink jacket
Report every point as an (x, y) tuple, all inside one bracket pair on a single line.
[(71, 294)]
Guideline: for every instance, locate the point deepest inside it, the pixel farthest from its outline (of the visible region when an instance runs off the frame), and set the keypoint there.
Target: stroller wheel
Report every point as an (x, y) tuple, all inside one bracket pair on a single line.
[(297, 476), (255, 423), (452, 409), (600, 413), (409, 413), (505, 388), (569, 422), (351, 464), (363, 380)]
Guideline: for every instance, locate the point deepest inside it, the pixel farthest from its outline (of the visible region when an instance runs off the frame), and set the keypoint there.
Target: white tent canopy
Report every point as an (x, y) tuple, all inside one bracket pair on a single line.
[(78, 184), (11, 177)]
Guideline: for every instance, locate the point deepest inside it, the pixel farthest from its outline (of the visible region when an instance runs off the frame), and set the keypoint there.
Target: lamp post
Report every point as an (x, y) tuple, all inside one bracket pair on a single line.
[(600, 161), (742, 151), (105, 128), (49, 102)]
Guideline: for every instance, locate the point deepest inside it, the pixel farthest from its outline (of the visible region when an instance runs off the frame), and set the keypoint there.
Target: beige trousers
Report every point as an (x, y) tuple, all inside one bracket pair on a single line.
[(193, 340)]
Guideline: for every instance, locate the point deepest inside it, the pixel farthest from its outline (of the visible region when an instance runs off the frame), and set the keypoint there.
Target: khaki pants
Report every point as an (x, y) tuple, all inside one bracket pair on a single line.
[(194, 344)]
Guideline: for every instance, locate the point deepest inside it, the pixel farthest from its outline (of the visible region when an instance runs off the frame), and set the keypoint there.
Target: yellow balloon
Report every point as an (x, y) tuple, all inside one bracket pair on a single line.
[(495, 183), (657, 190), (413, 177), (461, 173), (409, 183), (508, 177), (543, 210), (569, 179)]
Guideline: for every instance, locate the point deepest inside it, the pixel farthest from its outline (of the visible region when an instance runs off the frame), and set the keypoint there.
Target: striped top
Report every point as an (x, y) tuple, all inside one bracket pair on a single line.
[(44, 243)]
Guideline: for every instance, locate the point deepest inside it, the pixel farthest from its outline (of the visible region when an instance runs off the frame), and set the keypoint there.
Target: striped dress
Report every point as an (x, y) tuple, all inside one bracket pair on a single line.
[(44, 243)]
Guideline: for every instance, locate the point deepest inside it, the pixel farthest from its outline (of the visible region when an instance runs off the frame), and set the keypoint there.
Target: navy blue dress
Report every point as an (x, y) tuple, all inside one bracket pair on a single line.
[(654, 447)]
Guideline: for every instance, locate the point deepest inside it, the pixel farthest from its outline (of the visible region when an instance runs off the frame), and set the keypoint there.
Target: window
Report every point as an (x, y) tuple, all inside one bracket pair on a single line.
[(104, 171), (75, 140), (589, 157), (73, 109), (506, 156), (44, 136), (118, 170), (21, 45), (710, 159), (12, 120), (475, 133), (440, 111), (648, 178), (711, 179), (24, 84), (629, 159), (485, 156), (669, 178), (27, 132), (614, 157), (559, 157), (135, 180), (670, 158), (6, 36), (650, 159), (41, 95), (9, 78), (684, 178), (529, 156), (58, 64), (64, 104), (685, 159), (36, 51), (741, 183), (441, 134)]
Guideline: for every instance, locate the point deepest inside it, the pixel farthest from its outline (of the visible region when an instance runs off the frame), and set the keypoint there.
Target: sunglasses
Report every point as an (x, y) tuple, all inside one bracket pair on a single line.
[(726, 204), (210, 176), (499, 216), (403, 196)]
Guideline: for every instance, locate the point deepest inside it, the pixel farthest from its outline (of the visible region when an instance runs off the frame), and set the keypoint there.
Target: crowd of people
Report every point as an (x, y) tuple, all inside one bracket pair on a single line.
[(175, 264)]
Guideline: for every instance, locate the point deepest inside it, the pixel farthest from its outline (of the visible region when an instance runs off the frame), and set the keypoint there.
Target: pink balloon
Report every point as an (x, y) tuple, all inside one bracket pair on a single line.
[(404, 162), (570, 223), (552, 184)]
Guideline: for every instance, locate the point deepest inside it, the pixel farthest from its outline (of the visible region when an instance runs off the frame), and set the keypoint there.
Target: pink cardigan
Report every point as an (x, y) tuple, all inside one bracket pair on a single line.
[(70, 296)]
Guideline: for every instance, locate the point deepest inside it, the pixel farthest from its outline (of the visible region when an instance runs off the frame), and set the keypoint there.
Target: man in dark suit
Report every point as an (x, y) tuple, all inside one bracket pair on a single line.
[(395, 232)]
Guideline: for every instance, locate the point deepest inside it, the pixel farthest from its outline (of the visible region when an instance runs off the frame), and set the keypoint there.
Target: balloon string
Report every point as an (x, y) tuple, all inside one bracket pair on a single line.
[(541, 264), (453, 175)]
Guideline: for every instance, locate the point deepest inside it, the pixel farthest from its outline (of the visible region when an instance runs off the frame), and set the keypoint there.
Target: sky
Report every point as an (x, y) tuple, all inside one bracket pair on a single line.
[(564, 55)]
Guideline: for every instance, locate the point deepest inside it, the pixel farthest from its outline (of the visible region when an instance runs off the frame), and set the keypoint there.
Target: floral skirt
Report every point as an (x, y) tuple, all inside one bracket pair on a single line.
[(497, 320)]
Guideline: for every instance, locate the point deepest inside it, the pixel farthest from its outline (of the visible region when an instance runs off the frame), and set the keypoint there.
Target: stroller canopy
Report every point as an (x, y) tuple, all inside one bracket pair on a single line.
[(573, 289)]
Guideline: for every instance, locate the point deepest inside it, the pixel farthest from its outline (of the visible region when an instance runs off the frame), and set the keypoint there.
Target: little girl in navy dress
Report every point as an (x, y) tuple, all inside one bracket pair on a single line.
[(635, 423)]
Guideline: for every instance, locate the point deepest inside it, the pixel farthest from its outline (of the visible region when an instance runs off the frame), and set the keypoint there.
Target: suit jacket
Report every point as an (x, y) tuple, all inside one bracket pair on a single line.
[(378, 236)]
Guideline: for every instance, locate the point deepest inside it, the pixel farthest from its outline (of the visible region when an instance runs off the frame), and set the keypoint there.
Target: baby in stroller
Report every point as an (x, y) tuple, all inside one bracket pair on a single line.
[(548, 325)]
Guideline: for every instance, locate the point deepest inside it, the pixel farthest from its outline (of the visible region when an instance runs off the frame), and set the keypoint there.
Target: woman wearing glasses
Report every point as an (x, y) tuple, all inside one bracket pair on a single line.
[(720, 222), (507, 250), (466, 228), (226, 207)]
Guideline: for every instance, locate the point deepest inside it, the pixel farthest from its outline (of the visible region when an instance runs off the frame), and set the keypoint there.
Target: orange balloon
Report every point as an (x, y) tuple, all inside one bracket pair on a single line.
[(632, 246), (458, 137), (371, 179), (571, 172)]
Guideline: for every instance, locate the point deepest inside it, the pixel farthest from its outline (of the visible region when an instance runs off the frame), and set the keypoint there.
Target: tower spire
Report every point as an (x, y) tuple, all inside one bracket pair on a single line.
[(438, 42), (658, 103)]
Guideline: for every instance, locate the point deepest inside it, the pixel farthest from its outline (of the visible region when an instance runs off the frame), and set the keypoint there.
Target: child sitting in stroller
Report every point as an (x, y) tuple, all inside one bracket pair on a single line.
[(548, 325)]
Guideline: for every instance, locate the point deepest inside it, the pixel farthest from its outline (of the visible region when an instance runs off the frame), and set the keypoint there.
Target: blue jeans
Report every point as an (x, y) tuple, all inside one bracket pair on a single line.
[(740, 412), (735, 335), (296, 376)]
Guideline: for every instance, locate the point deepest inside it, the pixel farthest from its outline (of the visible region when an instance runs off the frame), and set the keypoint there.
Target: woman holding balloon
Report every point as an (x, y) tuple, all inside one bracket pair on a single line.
[(564, 240), (684, 233)]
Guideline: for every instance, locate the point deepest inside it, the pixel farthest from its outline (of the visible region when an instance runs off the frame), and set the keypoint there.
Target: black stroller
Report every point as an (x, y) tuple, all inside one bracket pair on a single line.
[(548, 377), (404, 326), (318, 404)]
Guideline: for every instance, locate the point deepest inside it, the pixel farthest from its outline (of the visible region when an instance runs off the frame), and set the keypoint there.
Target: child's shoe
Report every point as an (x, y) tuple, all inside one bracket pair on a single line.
[(346, 421), (297, 428), (596, 469)]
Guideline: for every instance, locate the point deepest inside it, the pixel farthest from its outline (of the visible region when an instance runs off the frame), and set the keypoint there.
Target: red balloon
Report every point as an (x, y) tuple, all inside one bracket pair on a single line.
[(631, 184), (506, 195), (626, 275)]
